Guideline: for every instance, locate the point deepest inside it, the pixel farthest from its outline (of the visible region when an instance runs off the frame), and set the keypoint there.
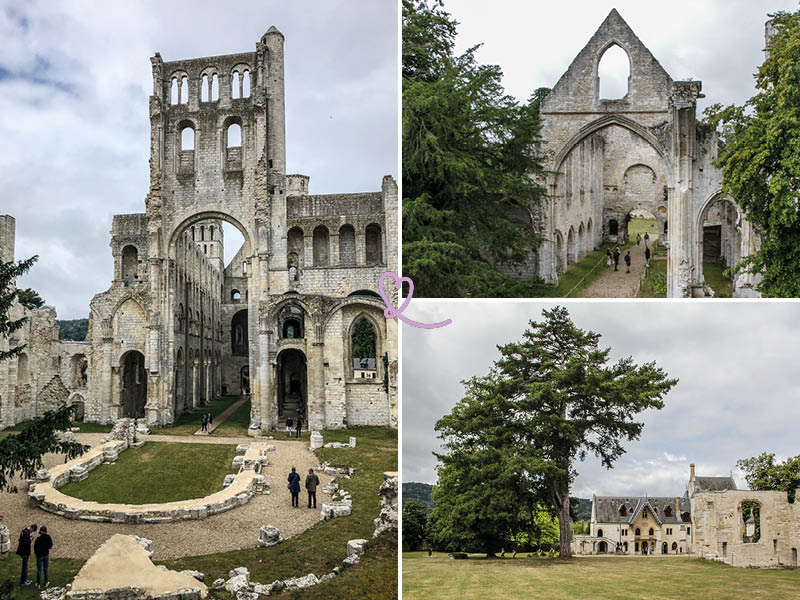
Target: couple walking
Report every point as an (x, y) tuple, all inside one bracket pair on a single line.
[(312, 481), (207, 419), (41, 548), (290, 423), (614, 258)]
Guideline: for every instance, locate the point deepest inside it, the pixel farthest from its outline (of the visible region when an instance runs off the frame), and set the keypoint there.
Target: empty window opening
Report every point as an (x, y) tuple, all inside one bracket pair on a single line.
[(192, 232), (236, 295), (613, 70), (204, 89), (320, 246), (211, 230), (374, 249), (613, 227), (235, 90), (599, 533), (187, 138), (173, 91), (364, 348), (202, 233), (130, 263), (214, 87), (234, 135), (246, 84), (750, 513), (184, 87), (244, 268)]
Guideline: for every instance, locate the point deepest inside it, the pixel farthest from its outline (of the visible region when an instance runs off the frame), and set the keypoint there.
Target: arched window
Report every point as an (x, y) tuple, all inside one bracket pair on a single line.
[(202, 233), (234, 135), (374, 246), (244, 267), (211, 230), (246, 84), (173, 91), (623, 511), (184, 90), (613, 227), (214, 87), (235, 85), (614, 71), (294, 253), (347, 245), (193, 233), (667, 511), (638, 531), (651, 532), (239, 333), (364, 349), (599, 533), (292, 329), (130, 263), (204, 89), (320, 244)]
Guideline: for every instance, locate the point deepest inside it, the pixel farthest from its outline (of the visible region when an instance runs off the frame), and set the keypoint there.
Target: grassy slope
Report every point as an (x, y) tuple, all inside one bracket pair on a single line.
[(617, 578), (323, 547), (192, 421), (158, 472), (654, 284)]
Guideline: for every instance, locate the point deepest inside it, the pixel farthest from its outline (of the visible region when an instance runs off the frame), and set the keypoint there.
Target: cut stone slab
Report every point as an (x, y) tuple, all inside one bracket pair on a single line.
[(122, 563), (316, 440)]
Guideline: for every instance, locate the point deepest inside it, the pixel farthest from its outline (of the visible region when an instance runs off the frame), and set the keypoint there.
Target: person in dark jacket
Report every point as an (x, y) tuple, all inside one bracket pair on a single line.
[(312, 481), (628, 261), (299, 426), (24, 552), (294, 487), (289, 425), (647, 256), (616, 257), (41, 548), (205, 423)]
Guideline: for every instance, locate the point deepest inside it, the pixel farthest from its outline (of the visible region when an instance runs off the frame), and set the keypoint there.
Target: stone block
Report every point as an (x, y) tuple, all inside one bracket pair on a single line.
[(297, 583), (333, 510), (196, 574), (357, 546), (229, 479), (316, 440), (269, 535), (352, 442)]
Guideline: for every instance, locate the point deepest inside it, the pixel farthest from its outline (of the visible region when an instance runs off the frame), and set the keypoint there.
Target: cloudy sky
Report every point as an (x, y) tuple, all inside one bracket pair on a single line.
[(737, 394), (719, 42), (75, 79)]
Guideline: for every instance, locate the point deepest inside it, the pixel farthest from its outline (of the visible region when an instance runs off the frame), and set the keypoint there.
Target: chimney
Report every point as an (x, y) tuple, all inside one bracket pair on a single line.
[(678, 508), (691, 479)]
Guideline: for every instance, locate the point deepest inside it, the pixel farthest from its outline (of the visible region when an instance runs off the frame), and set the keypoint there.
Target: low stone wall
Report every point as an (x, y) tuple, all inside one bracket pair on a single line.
[(44, 493), (387, 520)]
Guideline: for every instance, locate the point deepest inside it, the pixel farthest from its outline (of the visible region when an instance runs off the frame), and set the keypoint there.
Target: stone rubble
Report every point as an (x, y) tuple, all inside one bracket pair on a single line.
[(387, 520), (268, 535)]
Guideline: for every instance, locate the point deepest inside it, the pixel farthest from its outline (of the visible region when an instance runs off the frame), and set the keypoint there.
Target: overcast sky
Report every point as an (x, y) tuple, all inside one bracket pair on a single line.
[(736, 398), (719, 42), (75, 78)]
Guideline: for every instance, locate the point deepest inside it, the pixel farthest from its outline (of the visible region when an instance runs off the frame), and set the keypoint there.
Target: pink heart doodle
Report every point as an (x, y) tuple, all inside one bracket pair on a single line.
[(390, 312)]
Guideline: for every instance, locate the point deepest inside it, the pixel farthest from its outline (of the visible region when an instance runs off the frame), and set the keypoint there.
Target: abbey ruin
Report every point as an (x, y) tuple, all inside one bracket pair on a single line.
[(186, 319), (645, 151)]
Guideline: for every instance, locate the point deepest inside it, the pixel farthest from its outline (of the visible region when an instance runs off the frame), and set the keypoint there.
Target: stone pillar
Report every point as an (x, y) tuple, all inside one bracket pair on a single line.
[(265, 382), (105, 412), (680, 267), (316, 417), (194, 383)]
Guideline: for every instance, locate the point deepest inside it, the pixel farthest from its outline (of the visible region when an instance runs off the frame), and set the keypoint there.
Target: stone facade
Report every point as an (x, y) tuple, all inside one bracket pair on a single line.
[(178, 326), (49, 372), (642, 152)]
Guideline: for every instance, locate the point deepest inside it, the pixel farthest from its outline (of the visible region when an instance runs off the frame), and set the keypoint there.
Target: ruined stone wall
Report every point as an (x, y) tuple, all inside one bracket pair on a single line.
[(719, 528)]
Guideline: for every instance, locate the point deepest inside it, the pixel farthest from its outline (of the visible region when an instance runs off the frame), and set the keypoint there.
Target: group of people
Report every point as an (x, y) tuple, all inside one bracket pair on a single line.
[(41, 544), (612, 258), (290, 424), (207, 420), (312, 481)]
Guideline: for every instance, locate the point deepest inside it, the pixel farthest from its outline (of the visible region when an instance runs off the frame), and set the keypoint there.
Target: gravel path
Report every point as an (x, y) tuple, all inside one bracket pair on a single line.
[(231, 530), (619, 284)]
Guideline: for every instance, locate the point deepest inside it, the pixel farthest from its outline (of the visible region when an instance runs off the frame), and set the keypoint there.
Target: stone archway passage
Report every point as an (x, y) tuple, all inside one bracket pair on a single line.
[(292, 384), (133, 381)]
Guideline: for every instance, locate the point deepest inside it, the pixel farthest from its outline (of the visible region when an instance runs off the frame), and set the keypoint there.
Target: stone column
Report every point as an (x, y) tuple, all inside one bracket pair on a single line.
[(105, 409), (316, 417), (266, 403)]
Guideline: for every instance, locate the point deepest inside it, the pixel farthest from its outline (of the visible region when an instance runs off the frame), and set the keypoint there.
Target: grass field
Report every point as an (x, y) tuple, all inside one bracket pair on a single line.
[(157, 472), (643, 226), (596, 578), (192, 421), (84, 427), (236, 425), (722, 286)]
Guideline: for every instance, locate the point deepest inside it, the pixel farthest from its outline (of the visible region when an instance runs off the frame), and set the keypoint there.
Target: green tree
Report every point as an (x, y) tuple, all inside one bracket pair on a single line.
[(8, 294), (30, 298), (74, 329), (550, 399), (415, 524), (763, 473), (760, 160), (470, 153), (364, 339)]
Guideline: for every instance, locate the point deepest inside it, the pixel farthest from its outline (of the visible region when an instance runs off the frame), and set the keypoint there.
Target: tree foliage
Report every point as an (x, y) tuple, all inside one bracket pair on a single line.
[(760, 160), (469, 154), (74, 329), (364, 339), (512, 441), (415, 524), (763, 473), (8, 294), (30, 298)]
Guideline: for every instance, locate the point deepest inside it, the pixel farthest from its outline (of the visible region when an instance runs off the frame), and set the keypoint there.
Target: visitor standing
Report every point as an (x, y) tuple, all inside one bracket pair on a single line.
[(647, 256), (41, 548), (205, 423), (24, 552), (312, 481), (289, 425), (628, 261), (638, 238), (299, 426), (616, 258), (210, 418), (609, 258), (294, 487), (646, 238)]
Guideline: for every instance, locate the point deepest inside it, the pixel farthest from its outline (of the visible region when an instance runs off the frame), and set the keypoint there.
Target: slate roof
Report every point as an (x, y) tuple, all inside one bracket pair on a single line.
[(607, 508), (714, 484)]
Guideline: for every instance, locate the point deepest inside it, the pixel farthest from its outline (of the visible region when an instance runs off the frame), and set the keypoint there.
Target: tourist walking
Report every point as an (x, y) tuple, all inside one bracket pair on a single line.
[(41, 548), (628, 261), (647, 256), (24, 552), (294, 487), (609, 258), (210, 418), (299, 426), (312, 481), (646, 238), (616, 258), (205, 423), (638, 238), (289, 425)]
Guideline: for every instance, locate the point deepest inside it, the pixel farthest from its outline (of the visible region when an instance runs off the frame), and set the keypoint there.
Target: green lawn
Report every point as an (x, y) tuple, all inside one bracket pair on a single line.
[(722, 286), (61, 572), (84, 427), (654, 284), (612, 578), (323, 547), (236, 425), (590, 266), (158, 472), (192, 421), (643, 226)]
